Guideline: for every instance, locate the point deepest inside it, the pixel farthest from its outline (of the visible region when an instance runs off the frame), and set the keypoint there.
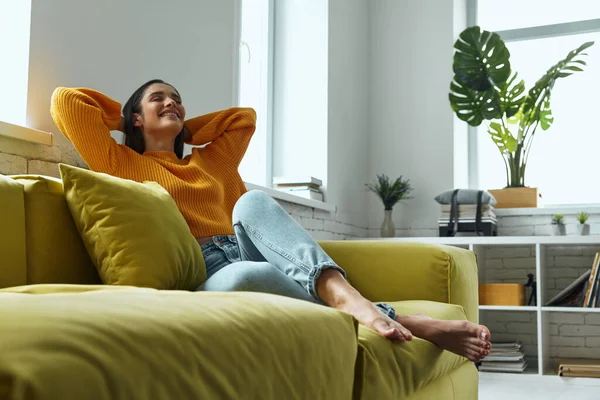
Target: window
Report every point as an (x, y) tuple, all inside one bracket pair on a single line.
[(562, 159), (255, 86), (15, 20)]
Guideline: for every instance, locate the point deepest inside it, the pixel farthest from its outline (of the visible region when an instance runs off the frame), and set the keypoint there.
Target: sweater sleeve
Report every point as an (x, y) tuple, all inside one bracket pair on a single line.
[(228, 132), (86, 118)]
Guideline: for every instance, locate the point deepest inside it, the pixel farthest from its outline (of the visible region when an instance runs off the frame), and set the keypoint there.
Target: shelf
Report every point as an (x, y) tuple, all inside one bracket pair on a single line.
[(495, 240), (530, 370), (571, 309), (509, 308)]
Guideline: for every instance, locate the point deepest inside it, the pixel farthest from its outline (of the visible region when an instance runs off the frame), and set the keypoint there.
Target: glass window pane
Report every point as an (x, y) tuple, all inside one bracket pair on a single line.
[(495, 15), (253, 85), (562, 160), (15, 21)]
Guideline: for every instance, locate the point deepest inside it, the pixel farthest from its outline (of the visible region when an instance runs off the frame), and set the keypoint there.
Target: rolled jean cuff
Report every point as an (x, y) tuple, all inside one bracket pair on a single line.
[(387, 310), (316, 272)]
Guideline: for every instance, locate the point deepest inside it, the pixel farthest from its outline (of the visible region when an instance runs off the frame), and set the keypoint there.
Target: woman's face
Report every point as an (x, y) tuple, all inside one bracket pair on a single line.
[(162, 114)]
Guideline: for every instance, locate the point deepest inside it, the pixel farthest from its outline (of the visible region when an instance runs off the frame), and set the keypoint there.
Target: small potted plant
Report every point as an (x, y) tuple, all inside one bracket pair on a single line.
[(390, 193), (583, 227), (558, 225)]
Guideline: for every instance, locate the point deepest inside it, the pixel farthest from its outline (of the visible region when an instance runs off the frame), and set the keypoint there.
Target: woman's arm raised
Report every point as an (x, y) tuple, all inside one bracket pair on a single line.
[(86, 118), (229, 131)]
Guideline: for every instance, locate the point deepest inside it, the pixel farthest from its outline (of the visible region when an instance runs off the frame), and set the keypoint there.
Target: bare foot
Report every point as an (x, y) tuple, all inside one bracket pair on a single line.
[(336, 292), (460, 337), (369, 315)]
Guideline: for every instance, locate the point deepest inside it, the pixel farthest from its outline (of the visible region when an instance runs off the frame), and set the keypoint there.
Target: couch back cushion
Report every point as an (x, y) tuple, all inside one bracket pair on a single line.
[(13, 264), (55, 251)]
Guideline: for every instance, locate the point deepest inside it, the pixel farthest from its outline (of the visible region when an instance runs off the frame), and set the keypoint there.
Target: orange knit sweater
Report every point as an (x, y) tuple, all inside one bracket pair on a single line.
[(205, 185)]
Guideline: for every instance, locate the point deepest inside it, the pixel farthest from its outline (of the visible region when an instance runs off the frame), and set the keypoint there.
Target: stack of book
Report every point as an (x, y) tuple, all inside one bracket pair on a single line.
[(467, 220), (505, 357), (308, 187), (583, 292), (579, 368), (468, 212)]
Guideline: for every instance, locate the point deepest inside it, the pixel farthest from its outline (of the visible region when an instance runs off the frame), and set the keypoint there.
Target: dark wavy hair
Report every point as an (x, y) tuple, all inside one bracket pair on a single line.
[(134, 138)]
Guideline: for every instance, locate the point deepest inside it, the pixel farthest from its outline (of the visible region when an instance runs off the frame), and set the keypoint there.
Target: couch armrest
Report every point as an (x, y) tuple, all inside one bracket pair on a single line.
[(393, 271)]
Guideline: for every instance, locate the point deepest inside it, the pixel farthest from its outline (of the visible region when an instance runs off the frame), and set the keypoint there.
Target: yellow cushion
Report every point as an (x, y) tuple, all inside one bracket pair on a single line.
[(392, 370), (134, 232), (13, 267), (140, 343), (55, 251)]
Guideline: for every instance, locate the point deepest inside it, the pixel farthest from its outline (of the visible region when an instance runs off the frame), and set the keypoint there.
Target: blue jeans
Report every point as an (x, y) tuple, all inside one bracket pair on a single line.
[(270, 252)]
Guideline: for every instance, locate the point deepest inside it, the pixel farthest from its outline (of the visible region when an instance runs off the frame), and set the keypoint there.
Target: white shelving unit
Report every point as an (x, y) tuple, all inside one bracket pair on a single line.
[(540, 246)]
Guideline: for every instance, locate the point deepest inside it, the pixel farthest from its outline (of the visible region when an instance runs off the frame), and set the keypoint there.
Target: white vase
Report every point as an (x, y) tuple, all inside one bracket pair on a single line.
[(559, 229), (584, 229), (387, 228)]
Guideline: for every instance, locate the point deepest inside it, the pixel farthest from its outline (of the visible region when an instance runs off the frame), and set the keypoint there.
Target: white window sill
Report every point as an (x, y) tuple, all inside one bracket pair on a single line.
[(278, 194), (507, 212), (26, 134)]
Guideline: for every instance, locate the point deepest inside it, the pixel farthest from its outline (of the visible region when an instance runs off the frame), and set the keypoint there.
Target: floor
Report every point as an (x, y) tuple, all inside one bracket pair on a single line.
[(531, 387)]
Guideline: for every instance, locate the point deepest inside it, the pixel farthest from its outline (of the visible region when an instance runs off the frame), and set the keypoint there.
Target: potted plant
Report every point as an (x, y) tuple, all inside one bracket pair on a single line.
[(485, 88), (390, 193), (583, 227), (558, 225)]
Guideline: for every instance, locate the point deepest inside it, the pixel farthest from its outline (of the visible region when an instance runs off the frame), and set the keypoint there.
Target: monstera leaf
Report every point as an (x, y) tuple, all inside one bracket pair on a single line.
[(481, 60), (472, 106), (511, 96), (505, 141), (546, 117), (539, 94)]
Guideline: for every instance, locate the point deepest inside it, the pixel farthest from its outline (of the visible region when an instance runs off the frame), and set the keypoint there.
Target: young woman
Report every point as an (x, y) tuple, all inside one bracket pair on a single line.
[(248, 241)]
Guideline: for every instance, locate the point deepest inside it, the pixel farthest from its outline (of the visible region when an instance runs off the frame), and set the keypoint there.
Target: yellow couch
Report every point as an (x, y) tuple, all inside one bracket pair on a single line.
[(64, 335)]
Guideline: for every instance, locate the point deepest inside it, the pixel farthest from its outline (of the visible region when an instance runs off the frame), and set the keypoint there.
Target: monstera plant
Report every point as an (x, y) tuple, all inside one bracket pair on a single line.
[(485, 88)]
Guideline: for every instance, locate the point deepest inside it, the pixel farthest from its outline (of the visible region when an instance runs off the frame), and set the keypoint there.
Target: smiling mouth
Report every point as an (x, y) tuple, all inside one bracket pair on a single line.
[(170, 114)]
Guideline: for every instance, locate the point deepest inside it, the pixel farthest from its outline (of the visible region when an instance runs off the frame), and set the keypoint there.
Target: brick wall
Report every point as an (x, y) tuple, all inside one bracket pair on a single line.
[(506, 326), (19, 157), (574, 335), (323, 225)]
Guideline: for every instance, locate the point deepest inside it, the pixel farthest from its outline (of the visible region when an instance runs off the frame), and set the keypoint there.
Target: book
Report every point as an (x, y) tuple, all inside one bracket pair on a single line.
[(505, 357), (583, 368), (492, 366), (297, 181), (307, 193), (592, 282), (574, 294)]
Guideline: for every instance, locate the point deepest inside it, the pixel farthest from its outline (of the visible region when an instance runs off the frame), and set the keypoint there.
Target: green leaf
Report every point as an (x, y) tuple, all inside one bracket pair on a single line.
[(511, 96), (472, 106), (542, 88), (481, 60), (546, 117), (391, 193), (573, 68), (505, 141)]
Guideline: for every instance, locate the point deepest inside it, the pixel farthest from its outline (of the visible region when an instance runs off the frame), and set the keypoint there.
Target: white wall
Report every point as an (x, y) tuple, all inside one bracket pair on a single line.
[(115, 46), (411, 120), (300, 88), (349, 132)]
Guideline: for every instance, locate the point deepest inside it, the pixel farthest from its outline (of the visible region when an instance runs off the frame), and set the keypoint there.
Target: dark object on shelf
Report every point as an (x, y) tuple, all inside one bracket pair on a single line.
[(574, 294), (481, 226), (531, 283)]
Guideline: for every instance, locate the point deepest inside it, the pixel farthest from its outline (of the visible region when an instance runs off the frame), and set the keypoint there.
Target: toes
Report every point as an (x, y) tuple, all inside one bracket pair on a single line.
[(388, 330), (484, 333), (481, 344), (480, 352), (405, 333), (472, 355)]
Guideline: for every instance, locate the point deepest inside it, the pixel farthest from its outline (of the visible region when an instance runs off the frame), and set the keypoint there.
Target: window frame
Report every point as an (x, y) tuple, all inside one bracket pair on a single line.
[(268, 173), (513, 35)]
